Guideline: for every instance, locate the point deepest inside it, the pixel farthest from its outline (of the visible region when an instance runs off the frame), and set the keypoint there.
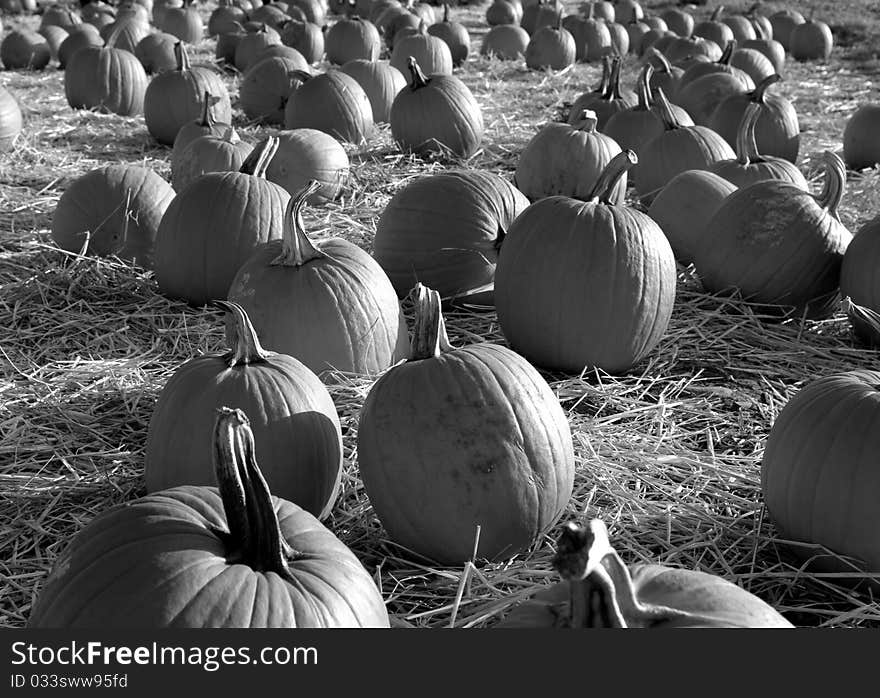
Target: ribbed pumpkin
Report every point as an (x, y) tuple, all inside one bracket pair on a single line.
[(23, 49), (294, 419), (184, 22), (174, 98), (381, 81), (210, 153), (722, 65), (106, 78), (550, 47), (600, 591), (113, 210), (224, 17), (614, 264), (860, 282), (750, 165), (455, 34), (684, 206), (591, 36), (230, 556), (606, 100), (74, 42), (57, 16), (445, 230), (680, 49), (305, 37), (267, 85), (713, 29), (677, 149), (501, 12), (214, 225), (783, 23), (777, 131), (459, 438), (10, 120), (436, 114), (811, 40), (352, 38), (156, 52), (819, 473), (861, 137), (305, 154), (754, 63), (430, 52), (54, 36), (505, 42), (778, 245), (129, 32), (252, 43), (327, 303), (679, 21), (563, 160), (619, 38), (768, 46), (332, 102), (541, 13), (203, 126), (741, 26), (701, 97)]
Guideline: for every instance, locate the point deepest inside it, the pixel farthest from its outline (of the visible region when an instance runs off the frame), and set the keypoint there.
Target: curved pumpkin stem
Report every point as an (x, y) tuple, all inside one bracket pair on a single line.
[(602, 87), (418, 77), (209, 101), (429, 333), (643, 88), (746, 146), (182, 58), (587, 122), (835, 183), (717, 13), (760, 92), (446, 12), (664, 65), (727, 54), (246, 348), (258, 161), (604, 187), (664, 110), (614, 79), (297, 248)]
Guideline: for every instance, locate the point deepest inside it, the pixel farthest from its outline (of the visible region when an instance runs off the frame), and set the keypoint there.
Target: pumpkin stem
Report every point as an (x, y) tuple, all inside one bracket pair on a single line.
[(746, 146), (614, 79), (717, 13), (258, 161), (643, 88), (423, 27), (727, 54), (231, 434), (296, 247), (759, 93), (429, 333), (664, 110), (231, 135), (207, 118), (604, 187), (246, 348), (445, 11), (664, 65), (418, 77), (602, 87), (587, 121), (835, 183), (760, 31), (181, 57)]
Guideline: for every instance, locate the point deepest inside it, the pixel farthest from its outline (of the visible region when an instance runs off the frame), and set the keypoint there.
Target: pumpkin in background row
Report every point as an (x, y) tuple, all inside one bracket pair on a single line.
[(75, 41), (454, 34), (600, 591), (267, 86), (230, 556), (306, 38), (550, 47), (585, 285), (156, 52), (505, 42), (23, 49), (819, 473), (811, 40), (327, 303), (10, 119), (430, 52), (293, 419), (381, 81), (129, 32), (252, 44), (861, 137), (114, 210), (204, 125), (210, 153), (453, 439), (436, 114), (213, 226), (779, 245), (184, 22), (352, 38), (54, 36), (445, 230), (305, 154), (860, 282), (607, 99), (332, 102)]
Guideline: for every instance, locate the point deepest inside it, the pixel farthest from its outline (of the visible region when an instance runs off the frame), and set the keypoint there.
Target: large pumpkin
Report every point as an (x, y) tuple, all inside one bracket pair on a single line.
[(332, 102), (230, 556), (778, 245), (113, 210), (328, 303), (214, 225), (456, 439), (436, 114), (600, 591), (293, 417), (585, 284), (819, 473), (445, 230)]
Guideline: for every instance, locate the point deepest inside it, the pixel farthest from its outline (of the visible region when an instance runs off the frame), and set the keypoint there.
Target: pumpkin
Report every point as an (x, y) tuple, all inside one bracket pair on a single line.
[(713, 29), (768, 46), (550, 48), (106, 78), (680, 49), (381, 81), (210, 153), (741, 27), (436, 114), (701, 98), (294, 419), (352, 38), (252, 43), (430, 52), (23, 49), (619, 38), (10, 120), (271, 15), (777, 131), (783, 23), (184, 22), (227, 43), (203, 126), (305, 154), (684, 206), (54, 36), (224, 17), (333, 102), (860, 283), (175, 98), (592, 38), (750, 166), (679, 21), (445, 230), (229, 556), (113, 210), (722, 65), (677, 149), (267, 85), (861, 137), (97, 14), (811, 40), (404, 23), (200, 247), (819, 473), (600, 10), (459, 438), (563, 160), (456, 36), (501, 12), (665, 75), (129, 33), (57, 16), (628, 11), (636, 31), (74, 42), (600, 591), (314, 10), (327, 303), (753, 63), (760, 22), (505, 42), (613, 259), (778, 245), (541, 13), (156, 52), (606, 103), (305, 37)]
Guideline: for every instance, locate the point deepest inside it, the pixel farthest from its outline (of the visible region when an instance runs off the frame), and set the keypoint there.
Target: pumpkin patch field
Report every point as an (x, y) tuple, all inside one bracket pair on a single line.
[(513, 313)]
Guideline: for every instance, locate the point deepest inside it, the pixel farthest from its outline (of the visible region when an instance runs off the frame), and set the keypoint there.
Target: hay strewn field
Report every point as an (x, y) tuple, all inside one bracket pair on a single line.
[(669, 455)]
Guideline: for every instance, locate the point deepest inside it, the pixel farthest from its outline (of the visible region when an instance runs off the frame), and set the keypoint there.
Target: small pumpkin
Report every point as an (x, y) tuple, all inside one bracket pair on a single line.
[(811, 40), (772, 49), (541, 13), (156, 52), (861, 137), (252, 43), (23, 49), (184, 22), (713, 29), (305, 154), (550, 47), (352, 38), (501, 12), (860, 282), (129, 32), (204, 125), (74, 42), (783, 23), (430, 52), (607, 99), (224, 17), (455, 34), (592, 37), (505, 42), (305, 37), (381, 81), (210, 153), (679, 21), (267, 86), (333, 102), (184, 557), (456, 438)]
